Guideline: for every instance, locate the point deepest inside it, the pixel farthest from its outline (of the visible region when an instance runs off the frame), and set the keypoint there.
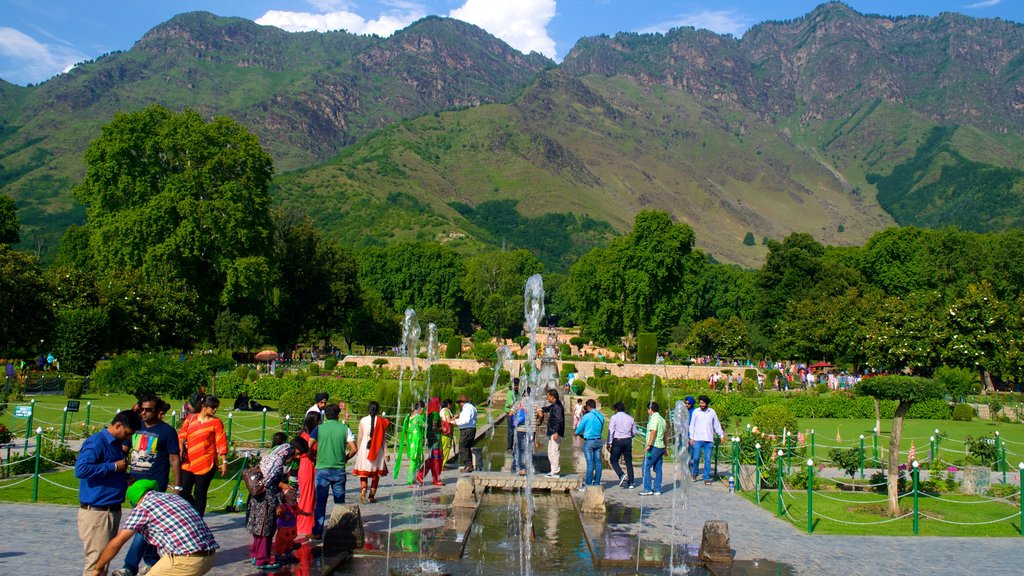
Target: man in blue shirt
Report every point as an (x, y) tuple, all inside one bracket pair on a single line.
[(101, 469), (591, 427)]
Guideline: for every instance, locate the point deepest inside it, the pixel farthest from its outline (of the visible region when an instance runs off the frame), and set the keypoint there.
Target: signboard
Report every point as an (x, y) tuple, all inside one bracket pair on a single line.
[(73, 405), (23, 411)]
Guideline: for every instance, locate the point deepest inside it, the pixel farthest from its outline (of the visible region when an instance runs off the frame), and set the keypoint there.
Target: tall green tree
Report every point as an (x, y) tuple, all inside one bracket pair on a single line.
[(10, 228), (494, 286), (26, 313), (180, 198), (634, 285), (905, 333), (421, 275), (790, 272), (974, 331)]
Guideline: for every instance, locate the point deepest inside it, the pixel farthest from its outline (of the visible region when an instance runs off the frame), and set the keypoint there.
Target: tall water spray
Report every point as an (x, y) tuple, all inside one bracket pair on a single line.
[(504, 358), (681, 483), (409, 346)]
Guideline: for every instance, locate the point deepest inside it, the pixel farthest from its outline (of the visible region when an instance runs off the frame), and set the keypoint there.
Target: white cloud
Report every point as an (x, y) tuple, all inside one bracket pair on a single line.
[(985, 4), (24, 59), (718, 21), (384, 25), (520, 23)]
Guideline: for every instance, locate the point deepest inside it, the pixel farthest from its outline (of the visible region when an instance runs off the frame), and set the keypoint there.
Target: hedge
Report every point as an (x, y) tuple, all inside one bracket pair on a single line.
[(454, 348), (963, 412), (646, 347)]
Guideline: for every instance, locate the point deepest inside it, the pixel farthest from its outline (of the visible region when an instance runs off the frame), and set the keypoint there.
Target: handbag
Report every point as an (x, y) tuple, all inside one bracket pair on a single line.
[(253, 478), (446, 427)]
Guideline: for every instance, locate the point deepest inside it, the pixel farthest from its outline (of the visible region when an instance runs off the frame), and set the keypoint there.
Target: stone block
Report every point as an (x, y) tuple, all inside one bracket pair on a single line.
[(977, 480), (465, 494), (343, 531), (593, 501), (748, 477), (714, 543)]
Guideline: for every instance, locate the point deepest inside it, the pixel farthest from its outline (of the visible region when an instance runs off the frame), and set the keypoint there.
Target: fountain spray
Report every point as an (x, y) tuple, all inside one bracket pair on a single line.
[(409, 347)]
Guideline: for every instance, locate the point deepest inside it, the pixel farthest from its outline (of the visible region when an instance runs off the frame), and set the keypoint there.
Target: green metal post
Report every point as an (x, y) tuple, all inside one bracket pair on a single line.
[(174, 419), (287, 424), (810, 495), (231, 419), (779, 455), (789, 452), (8, 461), (999, 446), (931, 445), (861, 456), (874, 440), (263, 431), (88, 417), (1003, 462), (917, 473), (812, 443), (35, 479), (1020, 479), (238, 482), (715, 438), (757, 474), (64, 425), (28, 425)]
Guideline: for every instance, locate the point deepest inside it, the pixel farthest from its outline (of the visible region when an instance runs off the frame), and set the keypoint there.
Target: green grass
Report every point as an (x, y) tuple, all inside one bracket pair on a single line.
[(865, 511)]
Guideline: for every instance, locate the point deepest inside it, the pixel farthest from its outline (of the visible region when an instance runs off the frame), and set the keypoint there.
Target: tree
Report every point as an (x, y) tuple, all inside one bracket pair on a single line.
[(180, 199), (9, 226), (906, 390), (748, 240), (494, 287), (79, 338), (789, 273), (422, 275), (25, 311), (974, 330), (904, 333)]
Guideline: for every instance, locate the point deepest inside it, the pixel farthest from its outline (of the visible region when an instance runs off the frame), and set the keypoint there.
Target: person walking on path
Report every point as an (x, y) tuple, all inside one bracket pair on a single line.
[(411, 444), (556, 430), (591, 428), (202, 441), (169, 523), (262, 519), (621, 430), (654, 455), (102, 482), (704, 425), (511, 399), (577, 413), (336, 445), (307, 477), (433, 461), (447, 439), (318, 407), (522, 446), (467, 431), (154, 455), (371, 447)]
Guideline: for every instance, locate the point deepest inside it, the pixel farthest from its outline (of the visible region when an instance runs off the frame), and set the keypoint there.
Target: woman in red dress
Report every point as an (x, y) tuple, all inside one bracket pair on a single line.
[(307, 477)]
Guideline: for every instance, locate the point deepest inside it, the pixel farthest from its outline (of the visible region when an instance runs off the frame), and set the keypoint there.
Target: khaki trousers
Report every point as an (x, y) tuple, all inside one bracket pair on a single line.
[(554, 453), (96, 528), (171, 565)]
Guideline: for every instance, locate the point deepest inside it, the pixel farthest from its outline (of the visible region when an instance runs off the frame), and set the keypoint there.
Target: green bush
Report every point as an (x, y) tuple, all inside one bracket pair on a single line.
[(330, 363), (935, 409), (80, 337), (380, 361), (749, 386), (314, 369), (564, 350), (750, 374), (568, 368), (252, 375), (774, 419), (821, 388), (982, 450), (578, 341), (228, 385), (242, 371), (454, 348), (481, 336), (959, 382), (963, 412), (350, 364), (74, 387), (769, 379), (646, 347), (136, 374), (846, 460), (485, 350), (440, 375)]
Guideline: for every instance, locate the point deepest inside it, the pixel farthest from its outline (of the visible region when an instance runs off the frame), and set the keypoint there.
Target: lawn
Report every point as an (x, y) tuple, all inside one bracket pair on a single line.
[(862, 514)]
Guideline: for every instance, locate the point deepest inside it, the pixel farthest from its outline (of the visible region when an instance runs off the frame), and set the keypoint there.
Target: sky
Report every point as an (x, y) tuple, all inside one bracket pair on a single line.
[(42, 38)]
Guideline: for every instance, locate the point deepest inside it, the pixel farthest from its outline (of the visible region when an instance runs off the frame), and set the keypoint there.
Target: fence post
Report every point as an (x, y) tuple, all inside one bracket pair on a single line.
[(287, 424), (64, 425), (917, 472), (861, 456), (812, 443), (810, 497), (874, 440), (999, 445), (1004, 463), (88, 416), (757, 474), (28, 424), (174, 419), (715, 440), (238, 481), (231, 418), (35, 479), (779, 454), (263, 432), (1020, 486), (931, 446)]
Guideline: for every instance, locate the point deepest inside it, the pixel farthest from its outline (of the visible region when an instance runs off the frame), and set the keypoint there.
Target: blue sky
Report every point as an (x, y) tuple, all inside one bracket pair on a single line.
[(41, 38)]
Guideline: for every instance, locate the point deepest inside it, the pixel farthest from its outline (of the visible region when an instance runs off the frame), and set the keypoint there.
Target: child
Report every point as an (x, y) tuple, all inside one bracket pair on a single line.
[(284, 540)]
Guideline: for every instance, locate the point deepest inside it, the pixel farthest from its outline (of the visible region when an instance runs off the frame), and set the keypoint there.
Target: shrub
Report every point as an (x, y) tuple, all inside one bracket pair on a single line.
[(350, 364), (481, 336), (73, 389), (136, 373), (252, 375), (314, 369), (454, 348), (80, 336), (935, 409), (228, 385), (959, 382), (773, 419), (5, 434), (242, 371), (994, 406), (982, 450), (749, 386), (330, 363), (484, 350), (445, 334), (578, 341), (846, 460), (564, 350), (821, 388), (963, 412), (380, 361), (440, 375), (770, 376), (880, 479), (568, 368), (646, 347)]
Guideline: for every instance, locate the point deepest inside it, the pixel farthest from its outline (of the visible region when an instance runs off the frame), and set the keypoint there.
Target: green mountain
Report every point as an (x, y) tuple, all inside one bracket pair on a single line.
[(836, 123)]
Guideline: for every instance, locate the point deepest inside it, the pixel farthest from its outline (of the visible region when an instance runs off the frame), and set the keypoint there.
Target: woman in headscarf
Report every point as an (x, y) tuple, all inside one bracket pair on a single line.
[(307, 477), (371, 447), (433, 463), (262, 521), (447, 431), (412, 442)]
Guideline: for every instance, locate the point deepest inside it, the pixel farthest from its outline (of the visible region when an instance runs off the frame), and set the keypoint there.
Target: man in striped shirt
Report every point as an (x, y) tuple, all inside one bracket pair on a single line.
[(170, 523)]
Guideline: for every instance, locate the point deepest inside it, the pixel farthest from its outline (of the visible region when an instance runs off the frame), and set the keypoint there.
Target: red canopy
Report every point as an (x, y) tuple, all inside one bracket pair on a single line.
[(266, 355), (817, 365)]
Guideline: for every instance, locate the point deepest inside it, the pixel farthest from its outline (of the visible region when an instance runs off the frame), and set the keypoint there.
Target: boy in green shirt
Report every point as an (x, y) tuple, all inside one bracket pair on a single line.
[(655, 454), (335, 445)]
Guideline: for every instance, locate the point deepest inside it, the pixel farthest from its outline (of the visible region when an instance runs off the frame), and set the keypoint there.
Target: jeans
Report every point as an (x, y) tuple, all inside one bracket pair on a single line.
[(327, 478), (653, 461), (623, 447), (140, 551), (592, 453), (702, 447), (522, 451)]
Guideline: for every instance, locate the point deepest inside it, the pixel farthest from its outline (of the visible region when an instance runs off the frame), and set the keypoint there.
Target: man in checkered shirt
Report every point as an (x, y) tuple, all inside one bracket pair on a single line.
[(170, 523)]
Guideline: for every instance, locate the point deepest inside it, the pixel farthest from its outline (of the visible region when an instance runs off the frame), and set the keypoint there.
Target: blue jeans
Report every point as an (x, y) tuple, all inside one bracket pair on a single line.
[(701, 447), (592, 453), (522, 451), (653, 459), (140, 551), (327, 478)]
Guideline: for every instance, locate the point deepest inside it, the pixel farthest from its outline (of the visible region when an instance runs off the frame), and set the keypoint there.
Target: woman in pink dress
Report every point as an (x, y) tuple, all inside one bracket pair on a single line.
[(307, 477)]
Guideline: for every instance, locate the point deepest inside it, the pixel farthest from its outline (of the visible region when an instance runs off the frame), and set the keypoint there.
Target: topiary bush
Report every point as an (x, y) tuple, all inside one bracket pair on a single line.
[(646, 347), (454, 348), (80, 337), (564, 350), (330, 363), (73, 388), (252, 375), (440, 375), (314, 369), (578, 341), (773, 419), (963, 412)]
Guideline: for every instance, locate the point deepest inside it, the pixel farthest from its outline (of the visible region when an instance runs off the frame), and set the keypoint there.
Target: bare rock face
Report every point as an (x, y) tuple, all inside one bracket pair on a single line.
[(593, 501), (344, 530), (714, 543)]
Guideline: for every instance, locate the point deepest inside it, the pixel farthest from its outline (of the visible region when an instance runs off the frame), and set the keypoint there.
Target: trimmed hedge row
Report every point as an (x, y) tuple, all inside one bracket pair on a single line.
[(832, 405)]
